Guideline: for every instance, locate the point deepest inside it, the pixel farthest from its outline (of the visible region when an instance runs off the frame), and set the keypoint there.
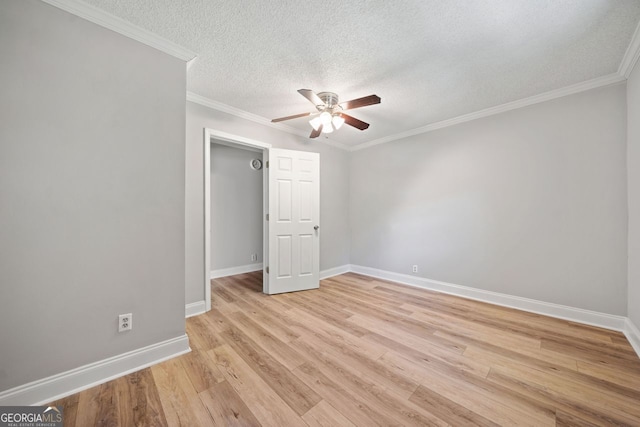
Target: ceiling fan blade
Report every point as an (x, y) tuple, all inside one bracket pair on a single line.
[(360, 102), (311, 96), (316, 133), (352, 121), (295, 116)]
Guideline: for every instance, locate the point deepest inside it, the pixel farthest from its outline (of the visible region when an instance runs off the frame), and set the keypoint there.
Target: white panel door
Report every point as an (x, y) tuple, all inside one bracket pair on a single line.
[(294, 215)]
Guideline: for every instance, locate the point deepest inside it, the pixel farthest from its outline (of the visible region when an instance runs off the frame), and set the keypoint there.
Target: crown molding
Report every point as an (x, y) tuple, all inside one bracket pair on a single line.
[(114, 23), (120, 26), (219, 106), (607, 80), (631, 56), (536, 99)]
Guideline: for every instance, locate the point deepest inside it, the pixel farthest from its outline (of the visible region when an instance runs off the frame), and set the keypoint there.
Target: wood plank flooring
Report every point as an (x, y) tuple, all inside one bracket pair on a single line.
[(364, 352)]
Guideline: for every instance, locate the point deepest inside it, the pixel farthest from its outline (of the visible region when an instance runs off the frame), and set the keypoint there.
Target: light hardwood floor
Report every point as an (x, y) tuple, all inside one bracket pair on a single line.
[(365, 352)]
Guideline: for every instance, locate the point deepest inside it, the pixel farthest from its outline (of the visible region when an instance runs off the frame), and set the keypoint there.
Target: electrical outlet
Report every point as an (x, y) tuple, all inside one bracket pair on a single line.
[(254, 257), (125, 322), (414, 269)]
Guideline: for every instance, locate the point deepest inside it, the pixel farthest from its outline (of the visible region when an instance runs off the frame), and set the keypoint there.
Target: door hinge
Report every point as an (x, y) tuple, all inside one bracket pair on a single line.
[(267, 217), (267, 164), (267, 269)]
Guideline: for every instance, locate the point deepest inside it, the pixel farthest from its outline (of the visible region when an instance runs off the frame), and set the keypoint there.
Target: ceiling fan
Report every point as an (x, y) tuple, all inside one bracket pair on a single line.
[(330, 114)]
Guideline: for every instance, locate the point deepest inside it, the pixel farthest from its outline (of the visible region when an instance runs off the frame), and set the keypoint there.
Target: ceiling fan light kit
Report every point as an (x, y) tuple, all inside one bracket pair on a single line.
[(337, 121), (315, 123), (330, 116), (325, 118), (329, 121)]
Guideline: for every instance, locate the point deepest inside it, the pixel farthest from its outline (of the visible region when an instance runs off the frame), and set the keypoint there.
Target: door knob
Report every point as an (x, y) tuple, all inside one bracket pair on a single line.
[(316, 227)]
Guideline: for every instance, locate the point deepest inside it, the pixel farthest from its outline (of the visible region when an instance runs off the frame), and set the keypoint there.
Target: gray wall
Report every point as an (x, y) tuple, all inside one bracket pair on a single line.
[(236, 207), (334, 189), (92, 132), (633, 171), (530, 203)]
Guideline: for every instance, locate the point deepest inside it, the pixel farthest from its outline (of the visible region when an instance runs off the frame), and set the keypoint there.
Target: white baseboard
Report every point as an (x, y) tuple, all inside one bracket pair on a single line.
[(224, 272), (70, 382), (232, 271), (324, 274), (633, 335), (588, 317), (194, 308), (335, 271)]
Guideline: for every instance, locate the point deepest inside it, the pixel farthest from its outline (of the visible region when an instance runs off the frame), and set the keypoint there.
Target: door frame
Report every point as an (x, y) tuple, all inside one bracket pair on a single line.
[(211, 135)]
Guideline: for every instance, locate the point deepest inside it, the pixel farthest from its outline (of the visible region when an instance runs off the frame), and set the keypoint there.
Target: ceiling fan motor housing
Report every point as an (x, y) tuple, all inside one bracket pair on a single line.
[(330, 100)]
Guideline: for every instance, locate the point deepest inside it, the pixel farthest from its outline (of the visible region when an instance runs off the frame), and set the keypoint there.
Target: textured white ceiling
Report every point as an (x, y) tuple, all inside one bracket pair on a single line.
[(427, 60)]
